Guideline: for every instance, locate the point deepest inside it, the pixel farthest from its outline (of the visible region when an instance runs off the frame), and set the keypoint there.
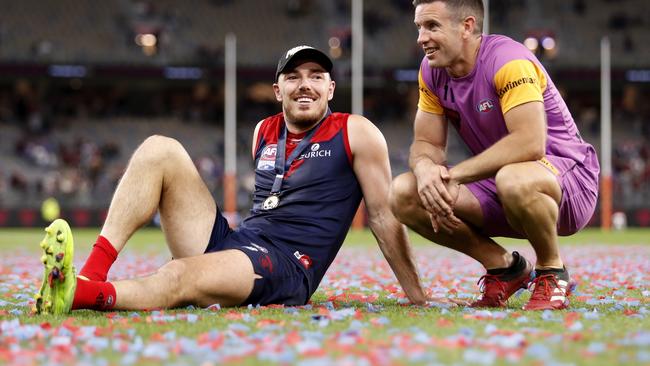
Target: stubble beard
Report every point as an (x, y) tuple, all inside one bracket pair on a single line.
[(302, 119)]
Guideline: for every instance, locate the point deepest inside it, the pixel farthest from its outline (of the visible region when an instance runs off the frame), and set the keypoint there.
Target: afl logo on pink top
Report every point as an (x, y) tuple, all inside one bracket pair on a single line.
[(267, 159), (485, 106)]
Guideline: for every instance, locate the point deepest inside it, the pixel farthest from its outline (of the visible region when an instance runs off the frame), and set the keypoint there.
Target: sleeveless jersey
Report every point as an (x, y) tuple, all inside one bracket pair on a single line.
[(506, 74), (319, 196)]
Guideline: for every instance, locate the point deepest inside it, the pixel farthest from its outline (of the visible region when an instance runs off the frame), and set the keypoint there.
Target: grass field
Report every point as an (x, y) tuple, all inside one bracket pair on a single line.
[(357, 317)]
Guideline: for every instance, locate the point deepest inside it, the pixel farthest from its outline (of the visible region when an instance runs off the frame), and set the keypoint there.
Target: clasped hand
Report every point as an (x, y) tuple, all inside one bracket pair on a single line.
[(438, 193)]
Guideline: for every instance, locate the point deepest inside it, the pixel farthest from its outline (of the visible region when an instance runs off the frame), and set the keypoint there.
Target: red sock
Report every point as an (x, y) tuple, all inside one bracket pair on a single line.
[(95, 295), (99, 261)]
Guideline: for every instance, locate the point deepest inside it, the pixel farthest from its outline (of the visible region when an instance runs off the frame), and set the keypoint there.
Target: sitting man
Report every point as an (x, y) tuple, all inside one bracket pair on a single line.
[(312, 169)]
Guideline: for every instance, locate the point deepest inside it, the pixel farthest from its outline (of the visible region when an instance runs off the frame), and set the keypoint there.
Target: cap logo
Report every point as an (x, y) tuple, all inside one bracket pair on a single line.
[(293, 51)]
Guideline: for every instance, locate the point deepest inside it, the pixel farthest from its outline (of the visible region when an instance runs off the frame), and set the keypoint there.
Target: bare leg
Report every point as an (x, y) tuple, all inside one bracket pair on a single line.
[(530, 195), (161, 176), (224, 277), (407, 207)]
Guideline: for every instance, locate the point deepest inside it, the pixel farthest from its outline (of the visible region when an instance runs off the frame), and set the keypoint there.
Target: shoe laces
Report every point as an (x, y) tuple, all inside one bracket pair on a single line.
[(543, 286), (488, 279)]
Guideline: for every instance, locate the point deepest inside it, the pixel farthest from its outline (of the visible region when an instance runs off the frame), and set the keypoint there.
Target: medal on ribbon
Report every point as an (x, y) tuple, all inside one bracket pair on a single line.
[(271, 202), (282, 165)]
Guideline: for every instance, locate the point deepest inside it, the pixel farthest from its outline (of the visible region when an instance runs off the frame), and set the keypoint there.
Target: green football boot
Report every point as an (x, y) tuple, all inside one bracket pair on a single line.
[(59, 278)]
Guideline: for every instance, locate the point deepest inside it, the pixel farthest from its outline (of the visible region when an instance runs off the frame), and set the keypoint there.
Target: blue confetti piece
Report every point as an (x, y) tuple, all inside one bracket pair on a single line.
[(382, 320), (480, 357), (63, 331), (596, 347), (129, 359), (539, 351), (643, 356), (372, 308), (575, 327), (555, 338), (641, 339), (548, 315), (21, 296), (422, 337), (467, 332), (26, 332), (156, 350), (403, 301), (522, 320), (356, 325), (98, 343), (490, 328), (60, 341)]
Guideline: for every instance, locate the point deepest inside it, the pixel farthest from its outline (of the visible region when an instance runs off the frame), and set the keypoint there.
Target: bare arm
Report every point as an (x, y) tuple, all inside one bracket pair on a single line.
[(255, 134), (372, 169), (428, 161), (526, 141), (429, 140)]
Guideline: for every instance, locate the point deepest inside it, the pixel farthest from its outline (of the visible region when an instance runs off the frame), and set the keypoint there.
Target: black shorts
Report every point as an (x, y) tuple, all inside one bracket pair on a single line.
[(282, 282)]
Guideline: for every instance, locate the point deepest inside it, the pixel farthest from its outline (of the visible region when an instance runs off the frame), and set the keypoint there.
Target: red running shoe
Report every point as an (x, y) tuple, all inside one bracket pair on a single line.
[(549, 293), (497, 289)]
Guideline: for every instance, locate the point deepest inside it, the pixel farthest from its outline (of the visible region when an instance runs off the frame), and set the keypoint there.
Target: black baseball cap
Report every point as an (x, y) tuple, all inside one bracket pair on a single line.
[(302, 53)]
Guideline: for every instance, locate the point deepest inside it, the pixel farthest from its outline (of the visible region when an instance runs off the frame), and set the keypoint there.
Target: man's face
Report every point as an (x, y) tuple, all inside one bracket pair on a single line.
[(304, 92), (440, 34)]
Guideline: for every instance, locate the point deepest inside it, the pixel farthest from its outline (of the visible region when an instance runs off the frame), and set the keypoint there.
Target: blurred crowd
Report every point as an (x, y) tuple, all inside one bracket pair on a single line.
[(70, 136), (67, 147)]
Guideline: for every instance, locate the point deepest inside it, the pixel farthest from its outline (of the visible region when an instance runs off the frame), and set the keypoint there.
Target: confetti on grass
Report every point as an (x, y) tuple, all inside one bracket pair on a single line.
[(359, 317)]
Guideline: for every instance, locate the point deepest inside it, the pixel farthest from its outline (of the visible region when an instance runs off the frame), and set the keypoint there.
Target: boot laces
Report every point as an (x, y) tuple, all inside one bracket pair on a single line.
[(487, 279), (542, 287)]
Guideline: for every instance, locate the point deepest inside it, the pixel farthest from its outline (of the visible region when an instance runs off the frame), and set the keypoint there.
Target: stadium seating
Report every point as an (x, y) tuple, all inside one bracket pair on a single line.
[(108, 118)]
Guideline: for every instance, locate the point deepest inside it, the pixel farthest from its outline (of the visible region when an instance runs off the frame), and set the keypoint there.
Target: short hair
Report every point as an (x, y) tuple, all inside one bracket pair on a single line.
[(462, 9)]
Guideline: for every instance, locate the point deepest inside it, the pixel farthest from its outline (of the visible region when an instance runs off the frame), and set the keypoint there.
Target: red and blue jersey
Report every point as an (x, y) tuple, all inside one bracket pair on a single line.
[(319, 196)]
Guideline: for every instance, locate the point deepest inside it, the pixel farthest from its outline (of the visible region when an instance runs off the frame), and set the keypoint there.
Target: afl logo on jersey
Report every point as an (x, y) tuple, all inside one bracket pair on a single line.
[(485, 106), (267, 159)]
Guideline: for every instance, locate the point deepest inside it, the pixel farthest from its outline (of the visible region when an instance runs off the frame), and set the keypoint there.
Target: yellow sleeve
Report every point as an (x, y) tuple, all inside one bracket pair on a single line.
[(428, 101), (519, 82)]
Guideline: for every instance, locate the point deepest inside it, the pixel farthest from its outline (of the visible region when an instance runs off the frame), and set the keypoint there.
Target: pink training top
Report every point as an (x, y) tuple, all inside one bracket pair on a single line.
[(506, 74)]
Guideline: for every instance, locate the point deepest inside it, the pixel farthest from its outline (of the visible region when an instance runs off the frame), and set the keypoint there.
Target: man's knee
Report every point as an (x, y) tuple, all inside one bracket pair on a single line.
[(403, 197), (520, 185), (159, 150), (513, 187), (172, 274)]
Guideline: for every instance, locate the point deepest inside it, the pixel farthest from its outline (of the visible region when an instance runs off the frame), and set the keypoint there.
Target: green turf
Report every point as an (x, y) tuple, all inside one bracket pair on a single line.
[(401, 320), (153, 239), (611, 325)]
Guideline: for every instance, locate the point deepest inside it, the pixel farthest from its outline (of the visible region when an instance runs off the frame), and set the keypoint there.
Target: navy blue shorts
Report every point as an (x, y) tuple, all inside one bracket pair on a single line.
[(282, 282)]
